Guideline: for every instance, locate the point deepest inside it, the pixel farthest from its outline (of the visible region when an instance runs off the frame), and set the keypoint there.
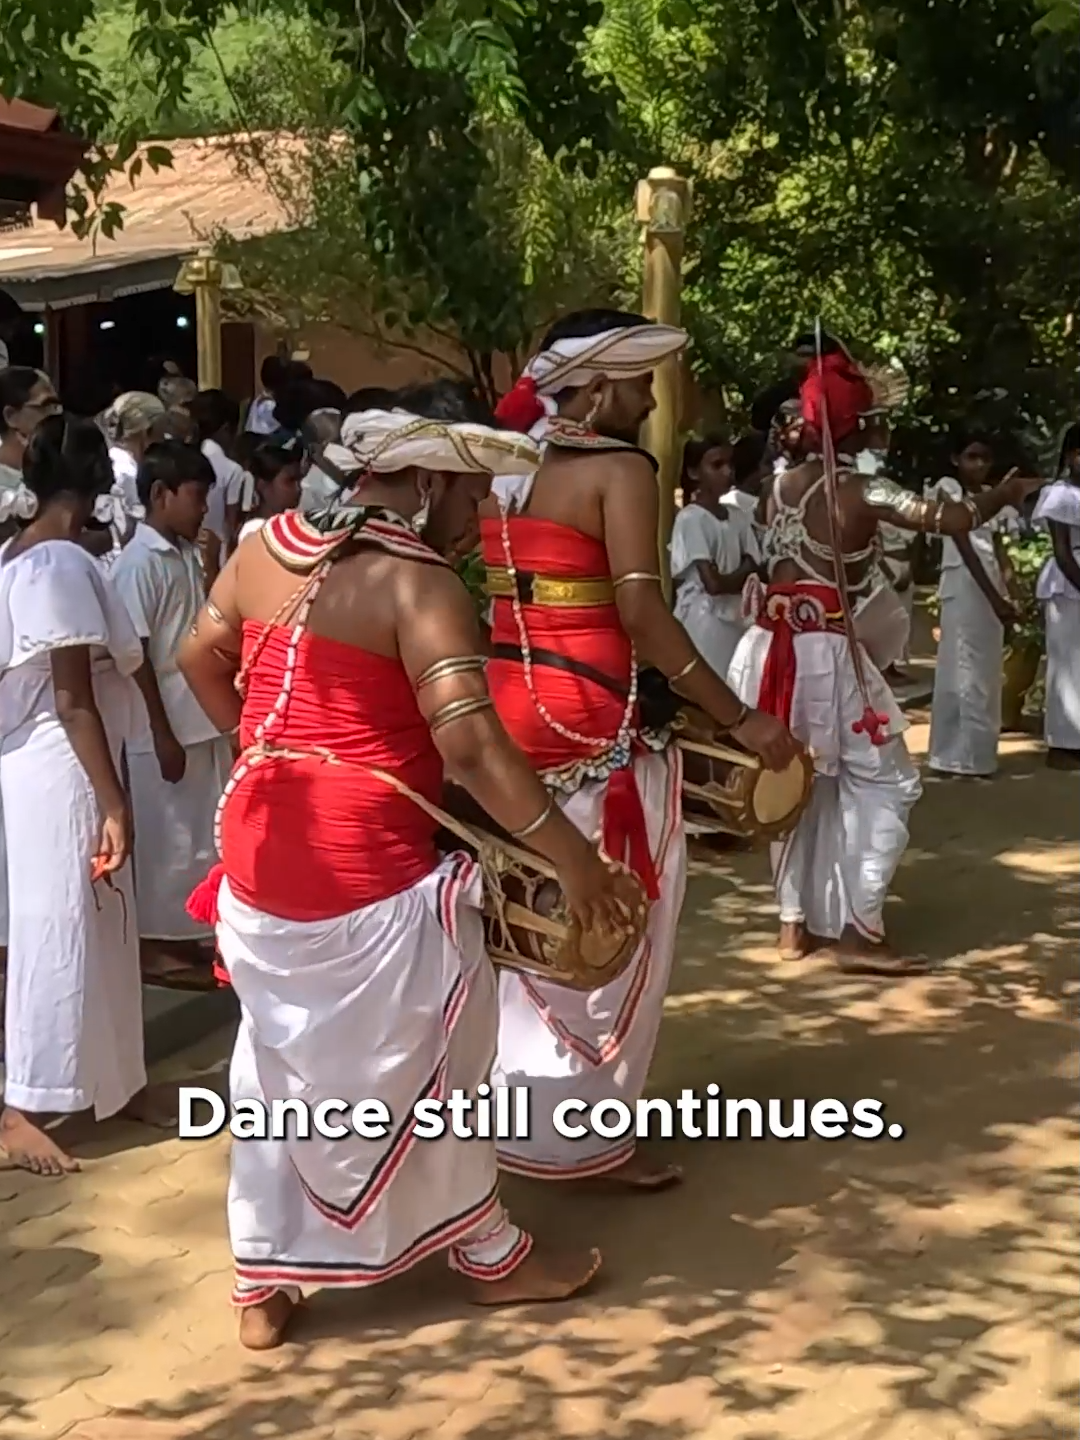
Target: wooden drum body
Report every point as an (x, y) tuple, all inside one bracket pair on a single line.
[(526, 922), (730, 790)]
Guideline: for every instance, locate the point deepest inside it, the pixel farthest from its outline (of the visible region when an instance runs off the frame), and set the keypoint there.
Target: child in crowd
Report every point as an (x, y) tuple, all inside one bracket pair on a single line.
[(217, 418), (179, 763), (975, 613), (713, 554), (276, 473), (1058, 508)]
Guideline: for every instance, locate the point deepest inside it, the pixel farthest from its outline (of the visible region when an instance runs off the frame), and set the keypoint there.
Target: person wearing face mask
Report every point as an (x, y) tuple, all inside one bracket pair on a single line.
[(343, 645), (976, 615), (713, 554), (579, 606), (26, 398)]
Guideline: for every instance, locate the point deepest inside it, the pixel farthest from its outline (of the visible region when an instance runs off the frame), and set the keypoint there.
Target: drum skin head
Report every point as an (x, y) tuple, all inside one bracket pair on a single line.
[(779, 793)]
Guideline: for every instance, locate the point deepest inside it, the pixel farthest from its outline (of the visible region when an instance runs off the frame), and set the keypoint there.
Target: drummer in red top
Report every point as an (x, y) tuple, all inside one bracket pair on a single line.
[(572, 566), (357, 954)]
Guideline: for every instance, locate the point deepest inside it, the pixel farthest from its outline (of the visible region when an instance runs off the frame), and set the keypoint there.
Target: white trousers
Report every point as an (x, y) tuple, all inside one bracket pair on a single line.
[(174, 836), (1063, 672), (567, 1044), (965, 719), (835, 868), (73, 1032), (395, 1002)]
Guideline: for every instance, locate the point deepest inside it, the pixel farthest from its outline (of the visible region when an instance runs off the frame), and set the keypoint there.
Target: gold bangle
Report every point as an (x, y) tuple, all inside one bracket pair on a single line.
[(634, 575), (216, 615), (452, 665), (739, 720), (673, 680), (541, 819), (457, 710)]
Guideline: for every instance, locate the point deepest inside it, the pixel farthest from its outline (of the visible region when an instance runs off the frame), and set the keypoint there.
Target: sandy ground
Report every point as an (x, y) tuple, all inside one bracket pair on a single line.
[(924, 1289)]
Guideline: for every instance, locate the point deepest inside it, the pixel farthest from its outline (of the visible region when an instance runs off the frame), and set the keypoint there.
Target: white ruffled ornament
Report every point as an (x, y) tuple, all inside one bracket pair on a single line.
[(17, 503)]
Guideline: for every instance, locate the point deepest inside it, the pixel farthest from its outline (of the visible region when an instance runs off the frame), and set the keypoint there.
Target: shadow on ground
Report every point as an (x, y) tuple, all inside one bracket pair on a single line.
[(924, 1289)]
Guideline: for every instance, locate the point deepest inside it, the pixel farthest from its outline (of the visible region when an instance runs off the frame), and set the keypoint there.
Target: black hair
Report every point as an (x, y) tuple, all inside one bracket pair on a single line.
[(966, 436), (747, 455), (271, 371), (172, 463), (266, 461), (694, 452), (297, 399), (808, 341), (579, 324), (371, 397), (67, 456), (1070, 441), (454, 401), (213, 411), (17, 383), (10, 309)]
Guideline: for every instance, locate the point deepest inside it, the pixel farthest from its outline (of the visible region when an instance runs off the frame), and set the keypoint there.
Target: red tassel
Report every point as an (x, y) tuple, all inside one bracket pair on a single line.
[(520, 408), (202, 903), (875, 725), (626, 836)]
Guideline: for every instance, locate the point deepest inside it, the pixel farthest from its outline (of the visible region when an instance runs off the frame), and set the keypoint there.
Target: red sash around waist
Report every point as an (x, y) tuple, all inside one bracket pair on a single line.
[(787, 611)]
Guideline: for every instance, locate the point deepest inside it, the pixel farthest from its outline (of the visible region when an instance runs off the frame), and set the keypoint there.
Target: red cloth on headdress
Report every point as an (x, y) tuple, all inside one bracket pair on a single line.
[(837, 386), (520, 408)]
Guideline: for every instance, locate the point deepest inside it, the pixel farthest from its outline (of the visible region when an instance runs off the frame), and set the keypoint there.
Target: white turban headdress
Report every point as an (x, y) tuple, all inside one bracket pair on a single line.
[(619, 354), (384, 441)]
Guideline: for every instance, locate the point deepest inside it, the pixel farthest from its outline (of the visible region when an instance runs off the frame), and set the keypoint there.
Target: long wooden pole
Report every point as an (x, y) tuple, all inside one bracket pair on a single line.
[(662, 205)]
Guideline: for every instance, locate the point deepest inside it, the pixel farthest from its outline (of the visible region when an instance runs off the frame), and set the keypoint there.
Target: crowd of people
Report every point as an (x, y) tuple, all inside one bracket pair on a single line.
[(238, 667)]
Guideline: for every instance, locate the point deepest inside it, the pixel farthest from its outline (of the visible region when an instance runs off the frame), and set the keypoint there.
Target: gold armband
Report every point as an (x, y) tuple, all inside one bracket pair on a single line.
[(673, 680), (541, 819), (635, 575), (885, 494), (452, 665), (457, 710), (216, 615)]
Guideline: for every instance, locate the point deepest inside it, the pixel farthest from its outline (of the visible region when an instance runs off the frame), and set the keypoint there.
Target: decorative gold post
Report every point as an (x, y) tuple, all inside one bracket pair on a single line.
[(663, 205), (205, 277)]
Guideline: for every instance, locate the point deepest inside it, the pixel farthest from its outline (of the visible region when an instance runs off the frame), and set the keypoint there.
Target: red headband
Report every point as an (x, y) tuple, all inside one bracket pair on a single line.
[(835, 387)]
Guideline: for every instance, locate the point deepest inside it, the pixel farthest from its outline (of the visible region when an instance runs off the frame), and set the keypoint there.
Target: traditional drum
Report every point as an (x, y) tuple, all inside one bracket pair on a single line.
[(526, 922), (730, 789), (527, 925)]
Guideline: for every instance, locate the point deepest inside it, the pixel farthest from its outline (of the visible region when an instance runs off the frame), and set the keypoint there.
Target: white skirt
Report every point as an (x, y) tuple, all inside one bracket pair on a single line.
[(174, 836), (1063, 672), (73, 1025)]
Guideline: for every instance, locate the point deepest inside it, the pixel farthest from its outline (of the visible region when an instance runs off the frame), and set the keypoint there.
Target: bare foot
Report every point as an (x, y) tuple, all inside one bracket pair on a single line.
[(28, 1147), (856, 956), (539, 1279), (263, 1327), (637, 1174), (154, 1105), (796, 942)]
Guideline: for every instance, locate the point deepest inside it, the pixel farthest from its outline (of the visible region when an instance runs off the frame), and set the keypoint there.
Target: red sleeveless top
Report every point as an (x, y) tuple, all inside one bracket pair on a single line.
[(307, 840), (590, 634)]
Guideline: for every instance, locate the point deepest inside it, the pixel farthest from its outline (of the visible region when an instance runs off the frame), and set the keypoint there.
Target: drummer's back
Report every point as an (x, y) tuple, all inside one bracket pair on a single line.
[(567, 490)]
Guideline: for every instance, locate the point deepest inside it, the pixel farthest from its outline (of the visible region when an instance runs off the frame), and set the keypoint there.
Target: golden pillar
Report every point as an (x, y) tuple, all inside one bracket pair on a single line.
[(206, 278), (663, 204)]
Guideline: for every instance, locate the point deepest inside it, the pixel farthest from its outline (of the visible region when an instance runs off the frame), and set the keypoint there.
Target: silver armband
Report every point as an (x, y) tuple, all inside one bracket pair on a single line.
[(885, 494)]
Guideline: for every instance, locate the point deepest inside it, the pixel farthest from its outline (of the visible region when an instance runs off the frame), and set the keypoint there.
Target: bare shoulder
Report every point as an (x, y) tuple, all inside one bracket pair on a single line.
[(417, 583)]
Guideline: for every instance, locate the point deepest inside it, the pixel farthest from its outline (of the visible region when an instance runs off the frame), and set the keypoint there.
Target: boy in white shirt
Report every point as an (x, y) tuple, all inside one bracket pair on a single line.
[(216, 419), (178, 761)]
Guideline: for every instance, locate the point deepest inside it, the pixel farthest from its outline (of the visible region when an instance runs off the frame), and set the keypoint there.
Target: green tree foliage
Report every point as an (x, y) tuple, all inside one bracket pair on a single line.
[(909, 169)]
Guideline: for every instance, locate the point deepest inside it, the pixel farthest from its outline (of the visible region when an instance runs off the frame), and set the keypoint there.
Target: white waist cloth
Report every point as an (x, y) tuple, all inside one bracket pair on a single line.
[(174, 836), (74, 1038), (835, 868), (394, 1002), (965, 718), (568, 1044), (1063, 671)]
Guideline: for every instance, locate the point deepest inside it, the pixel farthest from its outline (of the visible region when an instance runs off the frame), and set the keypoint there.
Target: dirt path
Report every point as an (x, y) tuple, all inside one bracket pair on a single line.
[(915, 1290)]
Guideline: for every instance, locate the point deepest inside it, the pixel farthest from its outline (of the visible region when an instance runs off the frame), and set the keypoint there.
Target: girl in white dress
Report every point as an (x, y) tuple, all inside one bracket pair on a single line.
[(713, 554), (1058, 508), (965, 719), (73, 1032), (276, 473)]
